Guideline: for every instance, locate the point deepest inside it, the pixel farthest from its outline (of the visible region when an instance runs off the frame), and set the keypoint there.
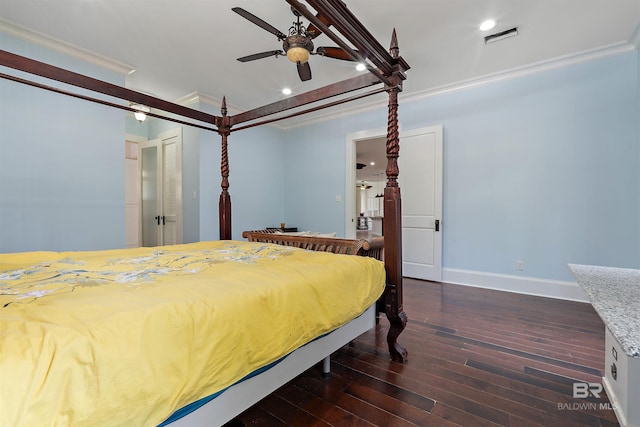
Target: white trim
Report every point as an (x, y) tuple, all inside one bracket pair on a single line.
[(615, 404), (330, 114), (203, 98), (537, 67), (135, 138), (518, 284), (196, 96), (559, 62), (635, 37), (64, 47)]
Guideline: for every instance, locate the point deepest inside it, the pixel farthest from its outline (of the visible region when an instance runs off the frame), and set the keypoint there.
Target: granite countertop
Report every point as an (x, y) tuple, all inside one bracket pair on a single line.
[(615, 295)]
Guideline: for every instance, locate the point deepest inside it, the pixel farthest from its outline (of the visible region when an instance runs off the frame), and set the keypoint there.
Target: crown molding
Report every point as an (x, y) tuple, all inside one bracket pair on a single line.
[(537, 67), (332, 114), (534, 68), (203, 98), (69, 49), (635, 37)]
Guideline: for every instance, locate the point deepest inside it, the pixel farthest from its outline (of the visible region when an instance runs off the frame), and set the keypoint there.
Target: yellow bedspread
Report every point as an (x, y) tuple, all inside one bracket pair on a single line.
[(126, 337)]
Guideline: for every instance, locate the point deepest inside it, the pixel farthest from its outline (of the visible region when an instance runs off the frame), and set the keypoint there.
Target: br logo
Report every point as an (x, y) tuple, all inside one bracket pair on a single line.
[(584, 390)]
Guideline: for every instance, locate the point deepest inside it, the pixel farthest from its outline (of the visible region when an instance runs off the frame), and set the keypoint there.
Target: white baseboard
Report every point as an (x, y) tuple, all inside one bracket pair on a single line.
[(522, 285)]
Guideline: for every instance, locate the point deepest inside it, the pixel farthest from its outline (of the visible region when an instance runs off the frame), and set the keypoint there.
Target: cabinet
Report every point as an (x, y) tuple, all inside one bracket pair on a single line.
[(615, 295), (622, 382)]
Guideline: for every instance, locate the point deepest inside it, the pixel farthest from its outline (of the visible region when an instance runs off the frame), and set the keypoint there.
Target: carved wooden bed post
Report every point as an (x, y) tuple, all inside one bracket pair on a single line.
[(224, 208), (393, 217)]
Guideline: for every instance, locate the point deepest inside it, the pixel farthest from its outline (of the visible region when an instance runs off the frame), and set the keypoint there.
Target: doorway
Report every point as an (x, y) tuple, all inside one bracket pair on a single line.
[(420, 180), (161, 189)]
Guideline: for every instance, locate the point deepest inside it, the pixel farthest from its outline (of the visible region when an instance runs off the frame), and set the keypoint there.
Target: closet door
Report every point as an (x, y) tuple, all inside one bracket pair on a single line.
[(161, 183)]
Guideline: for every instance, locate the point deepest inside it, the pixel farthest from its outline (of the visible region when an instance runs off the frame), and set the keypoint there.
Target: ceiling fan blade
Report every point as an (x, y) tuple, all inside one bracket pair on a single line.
[(335, 53), (260, 23), (260, 55), (304, 71), (313, 31)]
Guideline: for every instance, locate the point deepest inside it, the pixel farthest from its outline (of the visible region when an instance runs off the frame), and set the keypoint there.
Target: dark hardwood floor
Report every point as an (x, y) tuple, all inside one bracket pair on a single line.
[(476, 358)]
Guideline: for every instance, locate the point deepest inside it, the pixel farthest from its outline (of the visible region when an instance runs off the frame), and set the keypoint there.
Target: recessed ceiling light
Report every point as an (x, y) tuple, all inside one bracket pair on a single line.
[(372, 163), (361, 67), (487, 25), (286, 91)]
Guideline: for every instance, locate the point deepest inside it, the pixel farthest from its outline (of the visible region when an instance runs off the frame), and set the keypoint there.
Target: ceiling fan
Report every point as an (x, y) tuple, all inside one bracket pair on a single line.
[(297, 45)]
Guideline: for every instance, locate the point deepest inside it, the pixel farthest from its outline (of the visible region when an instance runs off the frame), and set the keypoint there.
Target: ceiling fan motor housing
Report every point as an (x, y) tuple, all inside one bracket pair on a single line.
[(293, 44)]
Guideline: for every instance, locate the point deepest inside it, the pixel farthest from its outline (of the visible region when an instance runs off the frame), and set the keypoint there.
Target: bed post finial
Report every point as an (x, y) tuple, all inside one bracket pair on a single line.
[(393, 215), (224, 205), (223, 107), (394, 50)]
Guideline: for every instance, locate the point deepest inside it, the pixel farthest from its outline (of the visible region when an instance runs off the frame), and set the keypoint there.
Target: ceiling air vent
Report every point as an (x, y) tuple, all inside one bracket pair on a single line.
[(492, 38)]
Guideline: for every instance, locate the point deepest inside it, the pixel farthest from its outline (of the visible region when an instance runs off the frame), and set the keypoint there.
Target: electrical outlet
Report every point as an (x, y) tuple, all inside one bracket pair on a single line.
[(519, 265)]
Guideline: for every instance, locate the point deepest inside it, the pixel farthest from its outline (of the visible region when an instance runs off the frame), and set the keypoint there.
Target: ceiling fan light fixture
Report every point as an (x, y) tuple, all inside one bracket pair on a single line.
[(361, 67), (298, 54), (140, 112)]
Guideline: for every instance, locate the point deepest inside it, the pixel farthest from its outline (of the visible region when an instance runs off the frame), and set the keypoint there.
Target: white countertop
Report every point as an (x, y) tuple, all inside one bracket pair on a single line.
[(615, 295)]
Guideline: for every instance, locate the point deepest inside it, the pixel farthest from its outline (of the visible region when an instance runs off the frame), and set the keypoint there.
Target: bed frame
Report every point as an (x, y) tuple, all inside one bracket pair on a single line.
[(241, 396), (386, 71), (372, 247)]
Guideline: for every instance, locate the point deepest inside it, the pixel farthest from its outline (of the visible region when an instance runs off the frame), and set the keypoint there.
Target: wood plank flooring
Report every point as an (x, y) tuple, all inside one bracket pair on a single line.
[(476, 358)]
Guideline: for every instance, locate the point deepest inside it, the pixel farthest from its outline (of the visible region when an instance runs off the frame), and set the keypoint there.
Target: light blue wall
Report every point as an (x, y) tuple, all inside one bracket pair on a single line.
[(61, 181), (134, 127), (315, 171), (257, 180), (541, 168)]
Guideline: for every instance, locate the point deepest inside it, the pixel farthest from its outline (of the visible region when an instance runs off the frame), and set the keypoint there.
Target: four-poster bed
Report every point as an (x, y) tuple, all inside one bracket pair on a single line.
[(386, 68)]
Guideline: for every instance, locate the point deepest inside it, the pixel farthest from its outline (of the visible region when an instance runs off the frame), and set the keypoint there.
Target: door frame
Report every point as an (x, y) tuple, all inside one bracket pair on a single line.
[(350, 168), (350, 174)]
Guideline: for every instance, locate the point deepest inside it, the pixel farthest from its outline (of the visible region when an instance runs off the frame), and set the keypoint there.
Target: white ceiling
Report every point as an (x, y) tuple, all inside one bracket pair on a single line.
[(179, 47)]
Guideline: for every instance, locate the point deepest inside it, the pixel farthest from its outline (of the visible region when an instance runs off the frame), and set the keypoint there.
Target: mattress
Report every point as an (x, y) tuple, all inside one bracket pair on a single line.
[(127, 337)]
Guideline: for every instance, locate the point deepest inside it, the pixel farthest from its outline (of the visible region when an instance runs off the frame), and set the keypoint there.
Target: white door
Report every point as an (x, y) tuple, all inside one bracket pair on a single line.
[(160, 182), (420, 180)]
